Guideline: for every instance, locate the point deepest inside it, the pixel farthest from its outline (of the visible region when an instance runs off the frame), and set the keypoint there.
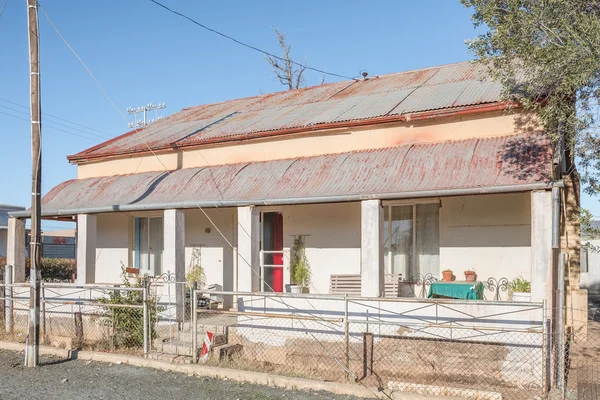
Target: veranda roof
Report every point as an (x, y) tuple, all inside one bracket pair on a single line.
[(481, 165)]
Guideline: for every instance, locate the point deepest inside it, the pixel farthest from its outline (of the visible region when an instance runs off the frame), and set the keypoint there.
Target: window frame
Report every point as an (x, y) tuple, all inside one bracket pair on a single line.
[(133, 252), (409, 202)]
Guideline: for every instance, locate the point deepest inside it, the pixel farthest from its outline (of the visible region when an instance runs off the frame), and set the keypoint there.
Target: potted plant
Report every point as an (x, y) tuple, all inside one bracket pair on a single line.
[(470, 275), (447, 275), (520, 289), (299, 267)]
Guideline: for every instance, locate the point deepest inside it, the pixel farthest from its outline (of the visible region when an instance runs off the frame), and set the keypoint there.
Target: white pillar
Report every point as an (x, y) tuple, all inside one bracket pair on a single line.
[(86, 248), (541, 246), (372, 279), (248, 237), (15, 248), (174, 253)]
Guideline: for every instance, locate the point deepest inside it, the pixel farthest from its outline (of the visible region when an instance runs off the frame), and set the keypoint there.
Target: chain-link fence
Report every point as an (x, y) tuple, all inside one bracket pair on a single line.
[(485, 349), (99, 318), (581, 363)]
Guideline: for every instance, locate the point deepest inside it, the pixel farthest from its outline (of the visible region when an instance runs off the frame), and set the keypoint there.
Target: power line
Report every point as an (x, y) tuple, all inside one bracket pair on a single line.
[(94, 136), (49, 126), (63, 119), (3, 6), (245, 44)]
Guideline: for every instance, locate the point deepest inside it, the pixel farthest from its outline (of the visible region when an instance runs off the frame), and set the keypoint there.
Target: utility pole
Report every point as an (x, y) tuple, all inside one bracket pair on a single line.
[(33, 335)]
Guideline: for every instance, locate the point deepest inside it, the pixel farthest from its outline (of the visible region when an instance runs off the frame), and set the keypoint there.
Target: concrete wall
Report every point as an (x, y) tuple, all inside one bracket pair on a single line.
[(3, 242), (115, 244), (490, 234), (318, 142), (591, 280), (332, 242)]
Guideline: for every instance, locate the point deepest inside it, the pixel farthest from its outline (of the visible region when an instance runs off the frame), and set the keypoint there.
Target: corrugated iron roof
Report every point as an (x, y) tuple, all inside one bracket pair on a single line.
[(474, 163), (444, 87)]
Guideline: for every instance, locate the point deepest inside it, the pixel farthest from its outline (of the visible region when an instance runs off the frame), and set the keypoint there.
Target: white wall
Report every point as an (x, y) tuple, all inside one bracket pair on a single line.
[(332, 244), (591, 280), (3, 242), (112, 246), (216, 256), (489, 233)]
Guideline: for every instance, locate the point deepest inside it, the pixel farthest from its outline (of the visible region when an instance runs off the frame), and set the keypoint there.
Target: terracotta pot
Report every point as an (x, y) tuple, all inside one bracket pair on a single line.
[(470, 276), (447, 276)]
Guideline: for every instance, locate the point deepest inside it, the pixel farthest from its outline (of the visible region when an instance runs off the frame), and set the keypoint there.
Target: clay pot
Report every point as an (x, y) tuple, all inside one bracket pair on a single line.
[(470, 276), (447, 276)]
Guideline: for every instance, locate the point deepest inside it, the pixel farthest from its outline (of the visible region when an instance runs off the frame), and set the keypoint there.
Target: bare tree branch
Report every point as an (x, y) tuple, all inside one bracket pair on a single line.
[(284, 71)]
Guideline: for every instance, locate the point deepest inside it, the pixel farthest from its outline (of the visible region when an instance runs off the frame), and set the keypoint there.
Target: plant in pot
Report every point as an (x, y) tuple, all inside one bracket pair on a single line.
[(470, 275), (520, 289), (299, 267), (447, 275), (195, 276)]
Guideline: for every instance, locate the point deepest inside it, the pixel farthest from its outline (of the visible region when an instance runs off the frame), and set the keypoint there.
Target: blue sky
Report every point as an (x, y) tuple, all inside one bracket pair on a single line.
[(141, 53)]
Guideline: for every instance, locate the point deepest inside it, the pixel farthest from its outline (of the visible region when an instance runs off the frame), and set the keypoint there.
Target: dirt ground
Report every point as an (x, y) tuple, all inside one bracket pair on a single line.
[(75, 379)]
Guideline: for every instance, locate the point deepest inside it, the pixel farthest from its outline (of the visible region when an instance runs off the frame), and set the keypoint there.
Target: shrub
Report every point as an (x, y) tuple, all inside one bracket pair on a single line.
[(53, 269), (128, 323)]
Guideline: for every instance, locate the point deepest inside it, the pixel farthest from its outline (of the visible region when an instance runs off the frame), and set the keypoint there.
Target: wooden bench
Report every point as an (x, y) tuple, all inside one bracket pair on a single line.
[(350, 284)]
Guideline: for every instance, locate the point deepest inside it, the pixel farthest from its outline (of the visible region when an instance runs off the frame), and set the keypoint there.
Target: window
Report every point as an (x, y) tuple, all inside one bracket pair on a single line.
[(148, 245), (271, 254), (412, 239)]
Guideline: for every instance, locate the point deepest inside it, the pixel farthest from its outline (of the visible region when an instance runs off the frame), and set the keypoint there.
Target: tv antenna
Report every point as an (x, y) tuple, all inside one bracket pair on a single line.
[(144, 110)]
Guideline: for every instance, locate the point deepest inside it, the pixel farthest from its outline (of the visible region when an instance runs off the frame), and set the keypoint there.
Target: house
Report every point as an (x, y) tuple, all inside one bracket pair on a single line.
[(405, 174), (4, 209), (56, 243)]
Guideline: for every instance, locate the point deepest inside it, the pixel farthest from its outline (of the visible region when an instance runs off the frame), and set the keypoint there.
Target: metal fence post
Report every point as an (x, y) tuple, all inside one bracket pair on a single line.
[(146, 319), (43, 312), (8, 313), (347, 334), (194, 327), (560, 324)]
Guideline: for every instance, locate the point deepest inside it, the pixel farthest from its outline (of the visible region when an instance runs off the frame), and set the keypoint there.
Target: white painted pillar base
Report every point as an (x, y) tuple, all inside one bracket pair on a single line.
[(174, 253), (15, 248), (86, 248), (541, 246), (372, 278), (248, 249)]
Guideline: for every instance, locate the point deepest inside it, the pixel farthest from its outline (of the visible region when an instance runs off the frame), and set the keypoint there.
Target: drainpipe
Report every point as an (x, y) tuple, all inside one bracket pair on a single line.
[(555, 217)]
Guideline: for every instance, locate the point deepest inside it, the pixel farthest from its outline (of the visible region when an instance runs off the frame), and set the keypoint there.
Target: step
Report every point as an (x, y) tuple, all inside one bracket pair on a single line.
[(184, 347), (226, 351)]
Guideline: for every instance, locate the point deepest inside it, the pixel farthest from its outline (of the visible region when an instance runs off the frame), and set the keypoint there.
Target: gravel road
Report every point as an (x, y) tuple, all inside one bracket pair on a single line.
[(75, 379)]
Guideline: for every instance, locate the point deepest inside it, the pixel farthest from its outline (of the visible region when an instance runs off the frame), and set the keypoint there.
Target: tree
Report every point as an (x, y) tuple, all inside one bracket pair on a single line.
[(546, 55), (288, 72)]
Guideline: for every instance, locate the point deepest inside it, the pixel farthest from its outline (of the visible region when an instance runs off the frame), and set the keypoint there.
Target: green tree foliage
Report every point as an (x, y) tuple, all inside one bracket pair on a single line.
[(128, 323), (546, 55)]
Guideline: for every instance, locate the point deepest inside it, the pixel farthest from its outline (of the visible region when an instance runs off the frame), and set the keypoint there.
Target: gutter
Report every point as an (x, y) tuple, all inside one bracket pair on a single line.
[(170, 147), (190, 204)]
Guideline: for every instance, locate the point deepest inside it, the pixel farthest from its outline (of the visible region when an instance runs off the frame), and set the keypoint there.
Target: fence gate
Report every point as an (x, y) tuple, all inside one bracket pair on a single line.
[(172, 332)]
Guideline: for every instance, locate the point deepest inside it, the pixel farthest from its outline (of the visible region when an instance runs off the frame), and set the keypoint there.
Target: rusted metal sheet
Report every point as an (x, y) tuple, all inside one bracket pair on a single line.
[(445, 87), (473, 163)]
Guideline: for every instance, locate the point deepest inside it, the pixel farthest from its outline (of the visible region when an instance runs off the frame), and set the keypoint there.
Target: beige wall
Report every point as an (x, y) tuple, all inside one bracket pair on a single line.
[(452, 128), (489, 233)]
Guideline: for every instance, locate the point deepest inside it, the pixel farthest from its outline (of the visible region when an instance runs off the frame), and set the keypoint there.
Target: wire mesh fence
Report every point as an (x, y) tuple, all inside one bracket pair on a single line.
[(489, 350), (109, 319), (581, 363)]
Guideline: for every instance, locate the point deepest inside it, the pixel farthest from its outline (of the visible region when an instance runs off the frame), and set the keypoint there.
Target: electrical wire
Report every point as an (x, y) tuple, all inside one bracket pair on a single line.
[(248, 45), (137, 131), (49, 126), (73, 131), (3, 6), (108, 135)]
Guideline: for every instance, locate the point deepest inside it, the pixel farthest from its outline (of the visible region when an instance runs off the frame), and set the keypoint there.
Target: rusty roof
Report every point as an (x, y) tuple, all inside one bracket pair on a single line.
[(451, 86), (382, 173)]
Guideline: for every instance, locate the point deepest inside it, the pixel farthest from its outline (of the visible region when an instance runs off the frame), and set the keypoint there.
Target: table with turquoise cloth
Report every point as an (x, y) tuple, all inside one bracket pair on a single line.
[(457, 290)]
